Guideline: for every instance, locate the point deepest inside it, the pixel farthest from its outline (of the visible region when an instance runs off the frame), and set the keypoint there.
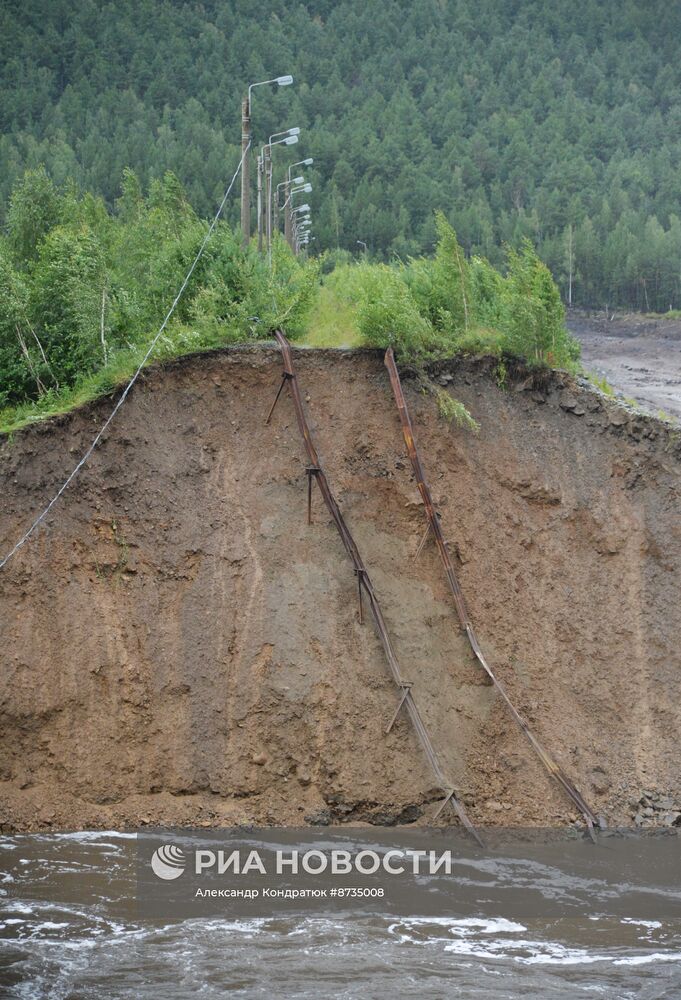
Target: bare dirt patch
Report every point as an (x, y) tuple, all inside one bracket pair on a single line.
[(180, 647)]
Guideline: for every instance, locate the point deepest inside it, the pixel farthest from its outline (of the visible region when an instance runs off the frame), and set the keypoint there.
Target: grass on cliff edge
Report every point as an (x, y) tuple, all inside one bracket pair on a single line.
[(428, 309)]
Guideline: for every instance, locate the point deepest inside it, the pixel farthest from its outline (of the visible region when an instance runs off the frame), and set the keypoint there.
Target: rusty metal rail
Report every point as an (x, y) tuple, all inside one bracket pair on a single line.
[(365, 585), (435, 528)]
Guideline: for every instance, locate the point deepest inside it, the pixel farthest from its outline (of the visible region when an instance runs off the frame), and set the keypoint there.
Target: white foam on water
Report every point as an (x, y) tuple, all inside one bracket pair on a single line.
[(20, 907), (475, 937), (551, 953), (254, 925), (492, 925), (83, 835), (484, 925), (406, 928), (657, 956)]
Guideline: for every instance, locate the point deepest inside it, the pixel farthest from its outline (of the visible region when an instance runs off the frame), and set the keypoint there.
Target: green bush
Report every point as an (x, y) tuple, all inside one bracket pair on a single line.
[(35, 207), (387, 313), (440, 285), (454, 412), (21, 363), (79, 301), (83, 290), (440, 306), (533, 316), (65, 301)]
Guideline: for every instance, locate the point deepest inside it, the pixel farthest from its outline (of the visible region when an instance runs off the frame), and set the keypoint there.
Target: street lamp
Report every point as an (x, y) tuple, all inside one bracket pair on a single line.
[(296, 180), (278, 207), (301, 229), (287, 131), (280, 81), (306, 189), (362, 243), (290, 138), (293, 132), (307, 162), (301, 163)]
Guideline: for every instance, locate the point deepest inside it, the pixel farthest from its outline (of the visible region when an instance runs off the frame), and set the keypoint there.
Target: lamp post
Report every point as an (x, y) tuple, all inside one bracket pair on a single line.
[(277, 207), (362, 243), (281, 81), (289, 210), (290, 137), (301, 232), (287, 214), (300, 163)]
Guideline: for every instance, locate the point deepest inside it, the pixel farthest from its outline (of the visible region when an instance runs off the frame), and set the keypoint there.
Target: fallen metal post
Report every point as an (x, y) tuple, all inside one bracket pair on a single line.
[(364, 582), (434, 525)]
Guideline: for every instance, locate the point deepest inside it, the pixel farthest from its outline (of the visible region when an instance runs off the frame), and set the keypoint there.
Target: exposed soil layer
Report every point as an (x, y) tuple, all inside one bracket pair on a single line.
[(180, 647)]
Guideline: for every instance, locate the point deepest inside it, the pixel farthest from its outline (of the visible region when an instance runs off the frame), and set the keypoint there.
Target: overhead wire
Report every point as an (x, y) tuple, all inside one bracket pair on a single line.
[(102, 430)]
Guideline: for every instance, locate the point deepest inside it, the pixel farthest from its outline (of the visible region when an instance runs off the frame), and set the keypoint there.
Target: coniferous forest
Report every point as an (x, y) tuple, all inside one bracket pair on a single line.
[(526, 119)]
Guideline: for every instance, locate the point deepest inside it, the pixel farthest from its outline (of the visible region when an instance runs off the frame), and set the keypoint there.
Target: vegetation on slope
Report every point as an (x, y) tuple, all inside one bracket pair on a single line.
[(525, 119), (83, 291)]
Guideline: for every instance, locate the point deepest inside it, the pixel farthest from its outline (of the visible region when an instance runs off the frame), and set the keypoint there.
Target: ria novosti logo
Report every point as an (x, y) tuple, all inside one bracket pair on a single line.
[(168, 862)]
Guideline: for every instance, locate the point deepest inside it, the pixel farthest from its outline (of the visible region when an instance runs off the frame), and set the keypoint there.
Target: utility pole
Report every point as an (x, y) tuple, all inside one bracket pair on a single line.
[(263, 198), (246, 170), (287, 216), (260, 204), (246, 138), (268, 202)]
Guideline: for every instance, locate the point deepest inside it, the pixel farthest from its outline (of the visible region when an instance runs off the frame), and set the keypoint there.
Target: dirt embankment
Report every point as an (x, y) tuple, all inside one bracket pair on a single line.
[(179, 646)]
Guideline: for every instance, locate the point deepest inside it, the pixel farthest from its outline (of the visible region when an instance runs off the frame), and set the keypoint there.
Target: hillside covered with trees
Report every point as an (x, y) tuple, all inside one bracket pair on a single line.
[(523, 119)]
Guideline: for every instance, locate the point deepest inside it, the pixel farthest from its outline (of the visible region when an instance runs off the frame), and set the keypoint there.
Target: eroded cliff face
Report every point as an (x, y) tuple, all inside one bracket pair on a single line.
[(178, 646)]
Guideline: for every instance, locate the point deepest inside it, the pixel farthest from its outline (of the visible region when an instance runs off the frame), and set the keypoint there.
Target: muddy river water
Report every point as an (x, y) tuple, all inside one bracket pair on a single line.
[(544, 920)]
